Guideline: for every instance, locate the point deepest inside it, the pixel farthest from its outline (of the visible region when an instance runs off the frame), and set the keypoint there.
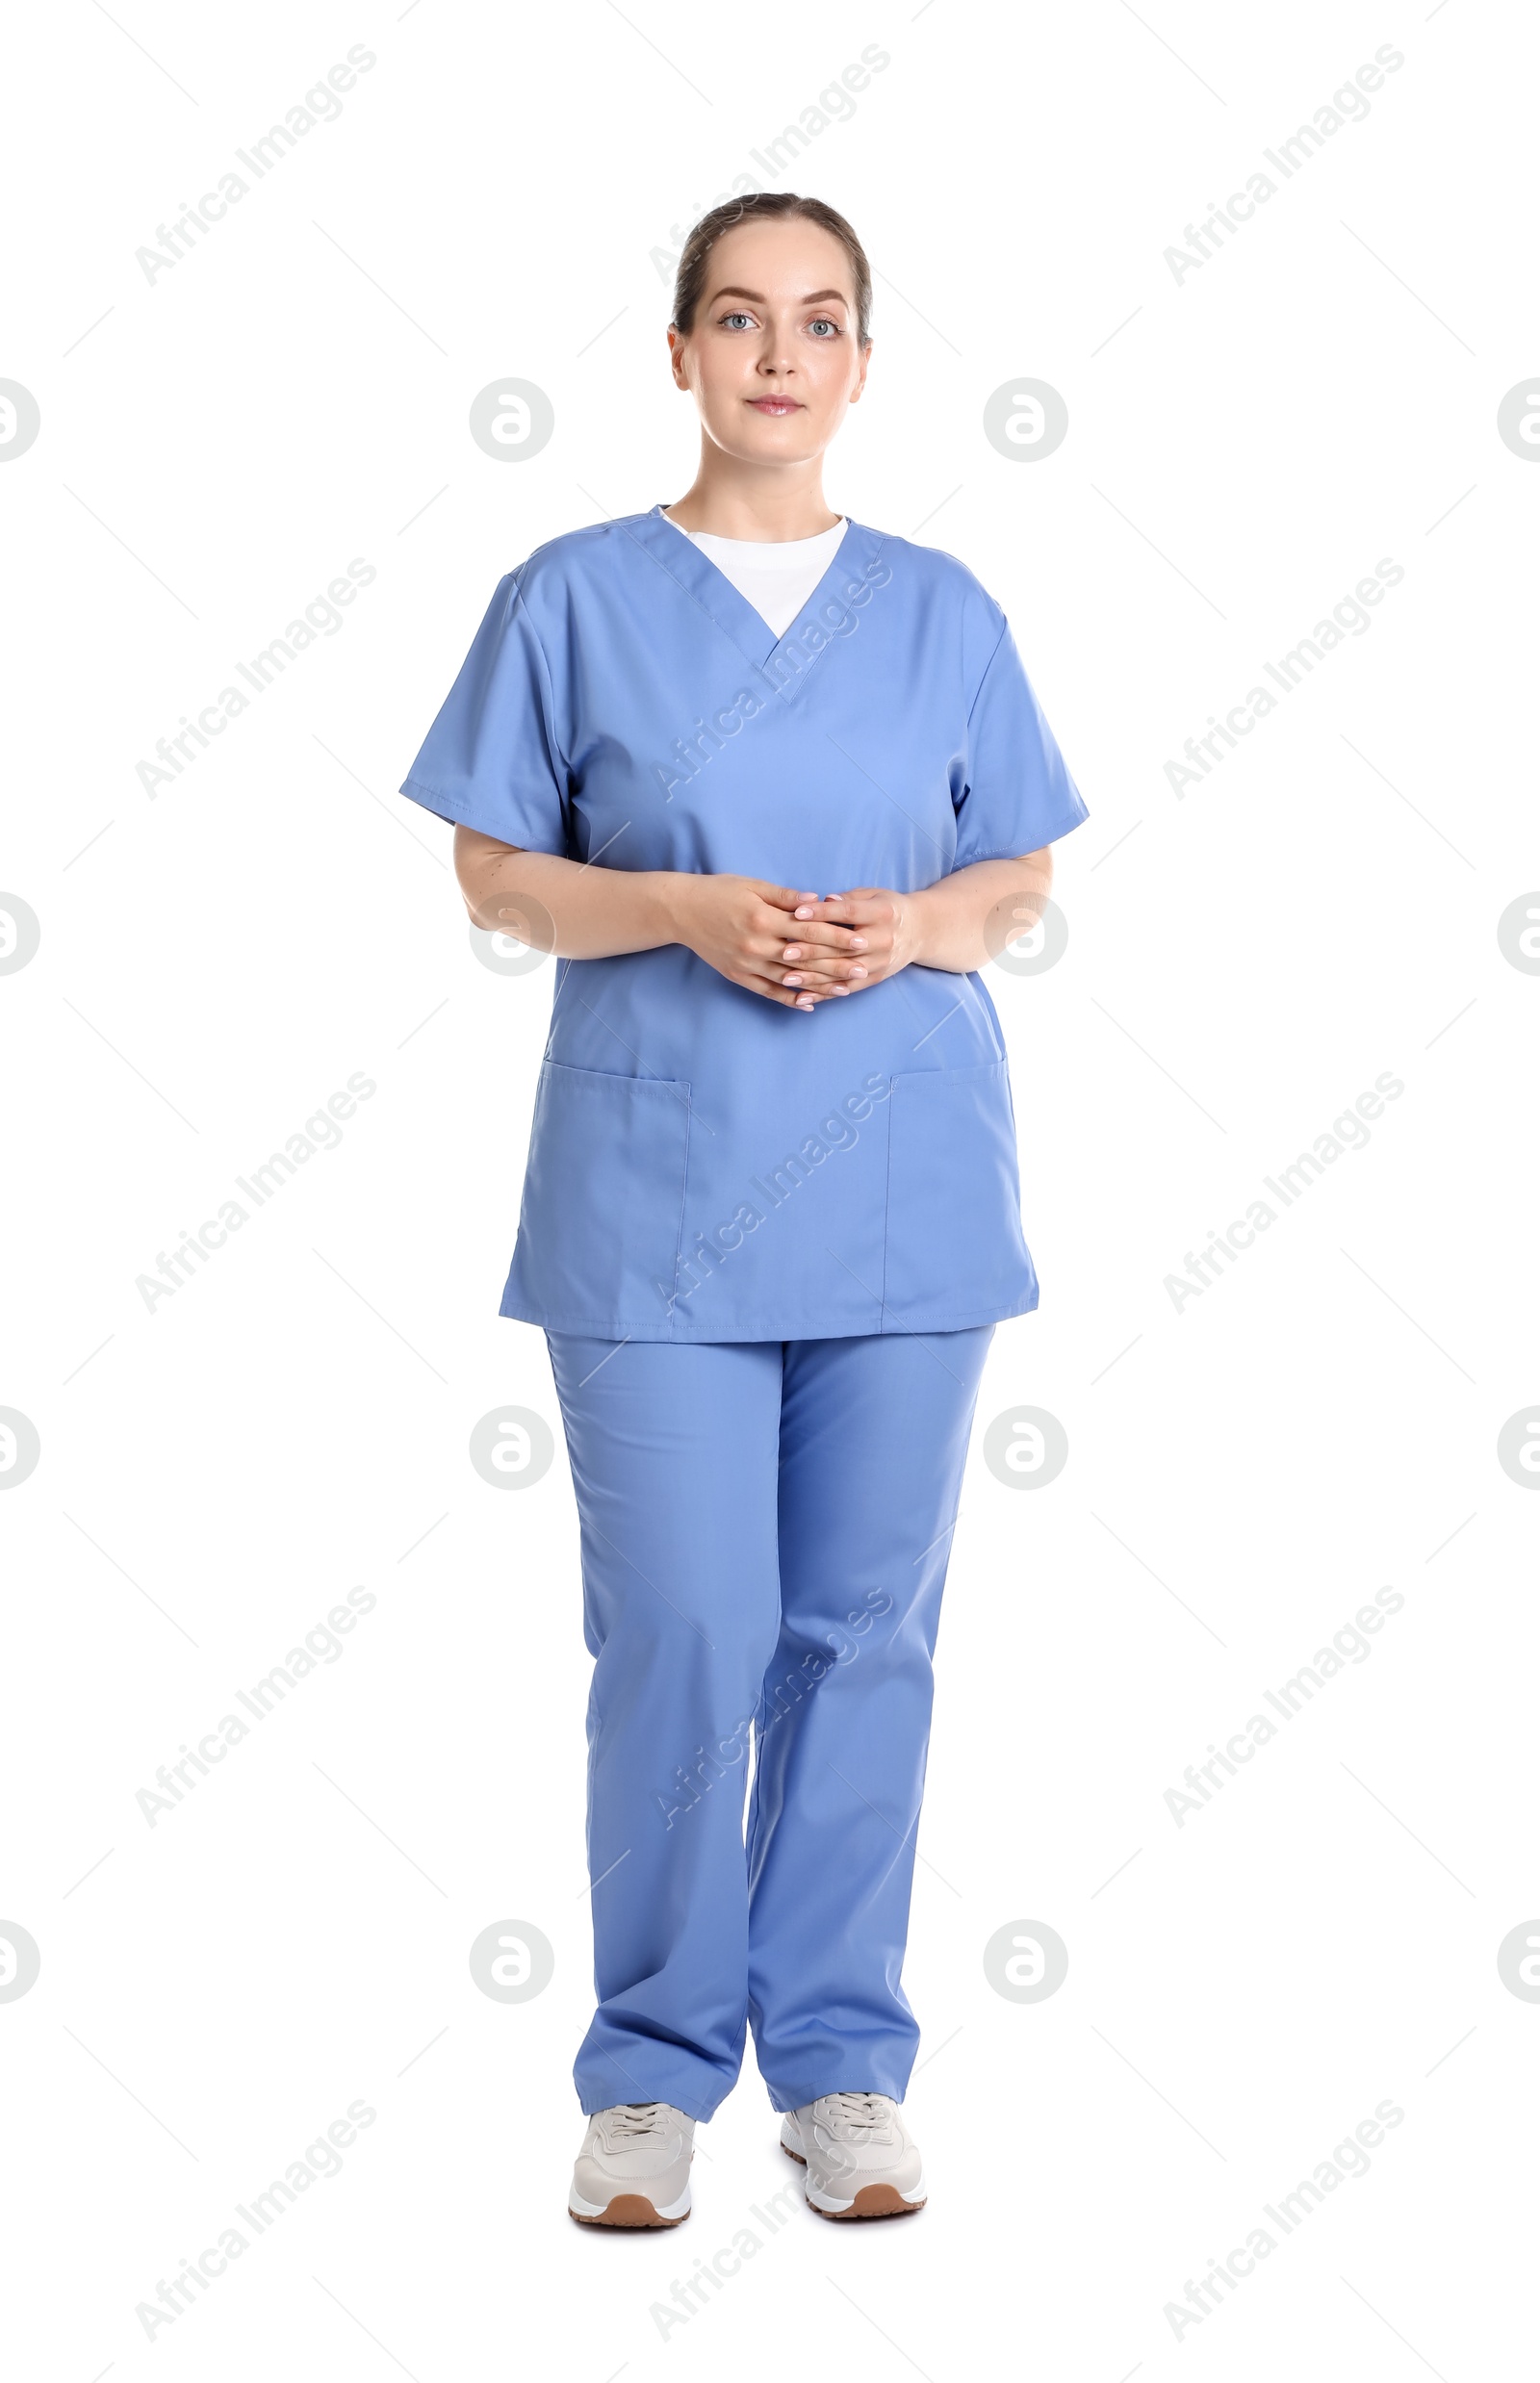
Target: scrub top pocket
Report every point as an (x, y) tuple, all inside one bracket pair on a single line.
[(955, 1247), (604, 1202)]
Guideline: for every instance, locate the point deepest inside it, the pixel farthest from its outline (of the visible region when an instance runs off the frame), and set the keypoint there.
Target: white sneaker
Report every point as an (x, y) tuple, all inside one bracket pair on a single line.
[(634, 2167), (859, 2157)]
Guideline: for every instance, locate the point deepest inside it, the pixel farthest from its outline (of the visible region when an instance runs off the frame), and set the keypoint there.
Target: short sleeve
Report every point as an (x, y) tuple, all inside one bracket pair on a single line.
[(1016, 794), (492, 759)]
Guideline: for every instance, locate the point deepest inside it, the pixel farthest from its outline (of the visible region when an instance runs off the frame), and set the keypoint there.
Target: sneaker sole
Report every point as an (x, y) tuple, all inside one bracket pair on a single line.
[(627, 2209), (871, 2201)]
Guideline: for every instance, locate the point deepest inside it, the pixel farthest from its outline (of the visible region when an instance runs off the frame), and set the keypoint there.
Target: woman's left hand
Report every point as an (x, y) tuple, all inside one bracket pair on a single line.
[(879, 929)]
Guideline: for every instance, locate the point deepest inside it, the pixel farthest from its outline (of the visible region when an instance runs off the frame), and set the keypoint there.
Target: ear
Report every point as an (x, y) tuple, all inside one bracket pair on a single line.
[(676, 352), (865, 360)]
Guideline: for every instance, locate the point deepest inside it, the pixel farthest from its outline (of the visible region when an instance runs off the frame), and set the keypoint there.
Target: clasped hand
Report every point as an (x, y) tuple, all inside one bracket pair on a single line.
[(798, 948)]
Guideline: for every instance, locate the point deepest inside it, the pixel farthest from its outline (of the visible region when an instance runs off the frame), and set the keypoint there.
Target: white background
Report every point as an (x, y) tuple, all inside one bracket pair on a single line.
[(1245, 1472)]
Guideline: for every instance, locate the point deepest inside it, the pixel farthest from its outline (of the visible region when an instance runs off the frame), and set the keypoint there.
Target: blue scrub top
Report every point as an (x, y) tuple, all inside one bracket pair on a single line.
[(705, 1165)]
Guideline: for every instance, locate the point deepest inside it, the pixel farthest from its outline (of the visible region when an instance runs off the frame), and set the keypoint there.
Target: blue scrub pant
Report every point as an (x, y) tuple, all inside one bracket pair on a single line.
[(765, 1533)]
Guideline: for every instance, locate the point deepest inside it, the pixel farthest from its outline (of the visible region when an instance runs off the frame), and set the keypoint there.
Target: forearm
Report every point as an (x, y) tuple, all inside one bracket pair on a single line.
[(965, 919), (583, 910), (590, 911)]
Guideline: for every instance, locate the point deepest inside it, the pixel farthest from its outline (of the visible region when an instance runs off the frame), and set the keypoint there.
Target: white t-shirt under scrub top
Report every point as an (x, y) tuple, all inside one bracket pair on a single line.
[(776, 578)]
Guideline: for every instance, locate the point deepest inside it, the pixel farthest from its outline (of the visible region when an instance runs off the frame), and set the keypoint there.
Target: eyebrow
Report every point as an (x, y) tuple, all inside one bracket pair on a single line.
[(758, 300)]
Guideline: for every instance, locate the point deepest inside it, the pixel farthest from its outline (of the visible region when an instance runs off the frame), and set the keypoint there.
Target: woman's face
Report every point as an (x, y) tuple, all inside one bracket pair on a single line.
[(772, 358)]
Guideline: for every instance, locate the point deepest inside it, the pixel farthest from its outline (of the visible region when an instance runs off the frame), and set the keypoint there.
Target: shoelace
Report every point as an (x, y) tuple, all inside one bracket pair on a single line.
[(856, 2116), (631, 2121)]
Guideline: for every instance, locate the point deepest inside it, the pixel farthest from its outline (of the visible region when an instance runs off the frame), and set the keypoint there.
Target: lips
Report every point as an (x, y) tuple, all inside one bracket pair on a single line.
[(774, 405)]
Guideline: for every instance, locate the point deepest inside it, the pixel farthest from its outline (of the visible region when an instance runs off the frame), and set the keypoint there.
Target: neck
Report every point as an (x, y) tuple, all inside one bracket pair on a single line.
[(730, 498)]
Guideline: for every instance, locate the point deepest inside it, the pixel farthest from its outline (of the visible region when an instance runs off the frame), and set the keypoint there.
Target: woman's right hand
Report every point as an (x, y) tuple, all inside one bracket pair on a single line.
[(740, 926)]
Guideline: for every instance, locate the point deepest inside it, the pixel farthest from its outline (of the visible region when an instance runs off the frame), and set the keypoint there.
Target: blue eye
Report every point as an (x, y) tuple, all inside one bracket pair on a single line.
[(822, 323), (739, 316)]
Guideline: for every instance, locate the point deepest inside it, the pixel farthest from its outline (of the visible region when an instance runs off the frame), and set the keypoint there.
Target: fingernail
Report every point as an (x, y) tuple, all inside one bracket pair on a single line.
[(791, 980), (858, 943), (858, 972), (804, 912)]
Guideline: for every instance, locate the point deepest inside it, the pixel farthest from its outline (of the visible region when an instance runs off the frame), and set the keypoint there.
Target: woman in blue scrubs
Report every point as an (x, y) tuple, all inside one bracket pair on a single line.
[(741, 761)]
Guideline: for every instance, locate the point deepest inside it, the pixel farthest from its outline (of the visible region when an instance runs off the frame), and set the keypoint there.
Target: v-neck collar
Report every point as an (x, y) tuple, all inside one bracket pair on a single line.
[(732, 613)]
